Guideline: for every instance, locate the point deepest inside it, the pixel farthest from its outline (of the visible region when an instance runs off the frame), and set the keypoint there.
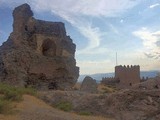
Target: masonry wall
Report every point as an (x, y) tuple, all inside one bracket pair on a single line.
[(127, 75)]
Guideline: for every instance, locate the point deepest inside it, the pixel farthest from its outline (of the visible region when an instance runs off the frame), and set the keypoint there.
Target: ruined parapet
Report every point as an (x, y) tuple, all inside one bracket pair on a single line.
[(128, 75), (143, 79), (110, 81), (106, 80), (38, 53)]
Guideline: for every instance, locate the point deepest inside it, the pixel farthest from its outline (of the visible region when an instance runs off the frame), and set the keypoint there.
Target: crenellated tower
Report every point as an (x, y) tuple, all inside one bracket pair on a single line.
[(127, 75)]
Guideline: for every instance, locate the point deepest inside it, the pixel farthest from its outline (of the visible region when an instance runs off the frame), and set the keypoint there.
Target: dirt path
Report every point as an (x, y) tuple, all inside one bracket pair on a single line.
[(34, 109), (9, 117)]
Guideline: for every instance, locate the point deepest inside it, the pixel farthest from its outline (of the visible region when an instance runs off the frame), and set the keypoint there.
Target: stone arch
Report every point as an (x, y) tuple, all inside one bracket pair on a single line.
[(48, 48)]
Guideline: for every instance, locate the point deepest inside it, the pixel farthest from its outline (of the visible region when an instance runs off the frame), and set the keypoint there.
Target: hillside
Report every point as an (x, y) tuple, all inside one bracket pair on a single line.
[(120, 105), (32, 108)]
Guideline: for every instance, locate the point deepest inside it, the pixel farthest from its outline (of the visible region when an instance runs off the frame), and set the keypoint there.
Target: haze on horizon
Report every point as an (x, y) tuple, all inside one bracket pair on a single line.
[(100, 28)]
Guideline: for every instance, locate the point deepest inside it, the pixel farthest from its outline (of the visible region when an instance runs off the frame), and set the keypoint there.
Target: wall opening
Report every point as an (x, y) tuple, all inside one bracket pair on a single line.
[(130, 84), (48, 48), (53, 86), (26, 28), (156, 87)]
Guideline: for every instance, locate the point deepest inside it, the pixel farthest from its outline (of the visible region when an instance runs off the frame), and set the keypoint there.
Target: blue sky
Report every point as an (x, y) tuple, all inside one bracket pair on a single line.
[(100, 28)]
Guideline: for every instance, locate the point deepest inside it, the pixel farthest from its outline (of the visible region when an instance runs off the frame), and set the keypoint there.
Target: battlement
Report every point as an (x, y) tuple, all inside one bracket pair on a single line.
[(128, 66), (108, 78)]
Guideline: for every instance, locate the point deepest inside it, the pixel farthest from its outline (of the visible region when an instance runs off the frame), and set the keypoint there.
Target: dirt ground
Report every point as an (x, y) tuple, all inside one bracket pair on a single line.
[(32, 108)]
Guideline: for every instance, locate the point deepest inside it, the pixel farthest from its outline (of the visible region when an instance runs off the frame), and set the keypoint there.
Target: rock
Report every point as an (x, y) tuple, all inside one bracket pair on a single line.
[(150, 84), (89, 85), (150, 99), (38, 53)]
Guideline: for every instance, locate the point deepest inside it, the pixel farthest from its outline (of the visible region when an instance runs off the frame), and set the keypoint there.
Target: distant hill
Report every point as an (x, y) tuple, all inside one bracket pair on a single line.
[(99, 76), (149, 74)]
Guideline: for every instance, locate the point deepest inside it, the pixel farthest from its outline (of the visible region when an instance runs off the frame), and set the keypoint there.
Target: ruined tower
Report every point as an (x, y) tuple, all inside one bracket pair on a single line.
[(38, 53)]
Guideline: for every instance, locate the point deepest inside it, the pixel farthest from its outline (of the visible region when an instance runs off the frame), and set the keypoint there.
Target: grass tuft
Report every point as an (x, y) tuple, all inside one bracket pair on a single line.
[(64, 105), (86, 113)]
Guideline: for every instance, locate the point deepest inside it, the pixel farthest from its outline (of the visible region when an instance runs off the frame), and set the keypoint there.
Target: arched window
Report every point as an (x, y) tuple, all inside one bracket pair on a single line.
[(48, 48)]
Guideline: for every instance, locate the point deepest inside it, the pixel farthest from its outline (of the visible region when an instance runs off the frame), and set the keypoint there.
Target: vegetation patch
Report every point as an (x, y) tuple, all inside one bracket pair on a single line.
[(13, 95), (108, 90), (5, 106), (86, 113), (28, 91), (9, 93), (64, 105)]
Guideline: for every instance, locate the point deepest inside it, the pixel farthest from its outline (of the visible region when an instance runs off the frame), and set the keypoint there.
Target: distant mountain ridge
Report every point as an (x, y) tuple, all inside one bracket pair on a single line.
[(99, 76)]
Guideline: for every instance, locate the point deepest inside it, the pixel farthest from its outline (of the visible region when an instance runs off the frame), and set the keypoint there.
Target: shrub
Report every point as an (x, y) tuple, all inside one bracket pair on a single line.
[(109, 89), (13, 95), (10, 93), (64, 105), (5, 88), (29, 91)]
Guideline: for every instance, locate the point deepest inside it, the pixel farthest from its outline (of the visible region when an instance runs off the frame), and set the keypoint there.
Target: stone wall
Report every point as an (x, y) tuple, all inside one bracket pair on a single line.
[(110, 81)]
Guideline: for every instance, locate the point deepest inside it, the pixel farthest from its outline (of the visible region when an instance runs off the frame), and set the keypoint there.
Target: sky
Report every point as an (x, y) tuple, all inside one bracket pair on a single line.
[(100, 29)]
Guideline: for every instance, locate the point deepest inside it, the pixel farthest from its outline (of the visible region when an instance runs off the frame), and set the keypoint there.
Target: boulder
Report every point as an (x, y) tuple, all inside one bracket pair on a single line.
[(38, 53), (150, 84), (89, 85)]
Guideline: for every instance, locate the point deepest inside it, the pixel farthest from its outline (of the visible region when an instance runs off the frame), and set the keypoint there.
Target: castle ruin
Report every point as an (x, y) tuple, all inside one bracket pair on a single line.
[(125, 76), (38, 53)]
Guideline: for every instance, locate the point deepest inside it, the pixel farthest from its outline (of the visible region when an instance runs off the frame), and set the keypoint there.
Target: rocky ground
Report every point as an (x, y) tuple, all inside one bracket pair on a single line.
[(32, 108), (110, 103), (121, 105)]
